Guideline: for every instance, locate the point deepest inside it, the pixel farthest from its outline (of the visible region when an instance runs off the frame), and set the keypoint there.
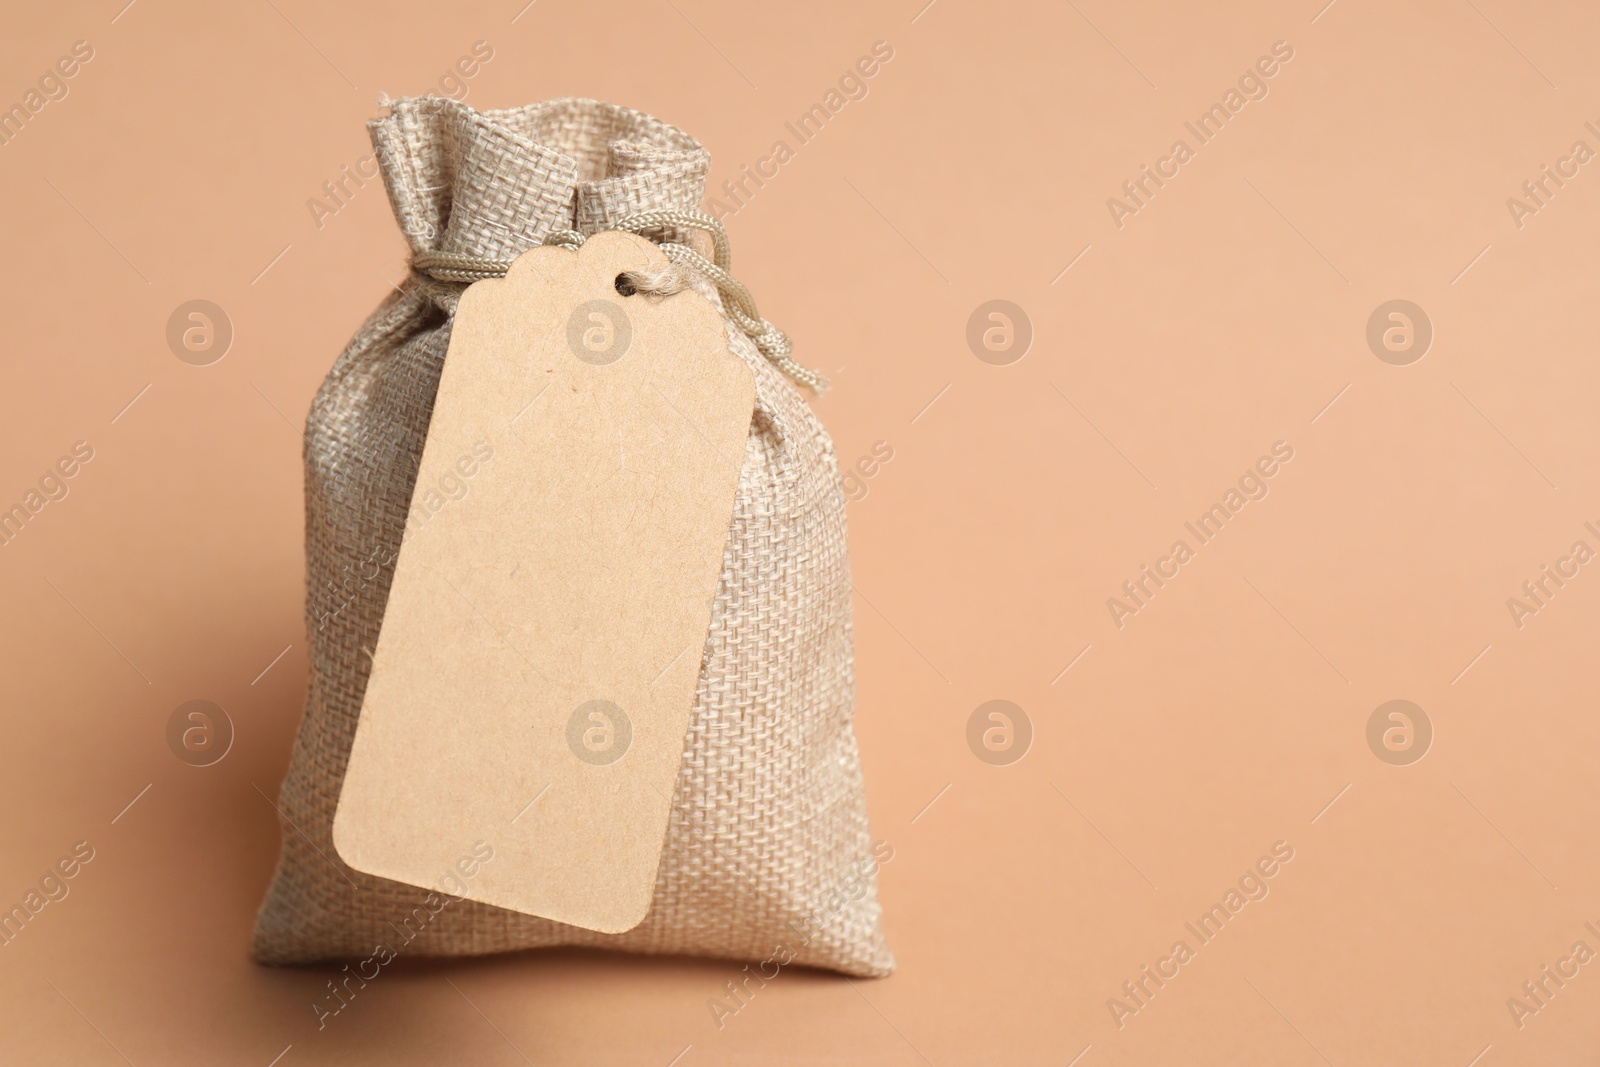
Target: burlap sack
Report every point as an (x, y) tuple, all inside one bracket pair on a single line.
[(767, 854)]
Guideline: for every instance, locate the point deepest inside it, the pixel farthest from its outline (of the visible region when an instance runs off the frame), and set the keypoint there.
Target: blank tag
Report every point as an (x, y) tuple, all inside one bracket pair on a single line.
[(536, 670)]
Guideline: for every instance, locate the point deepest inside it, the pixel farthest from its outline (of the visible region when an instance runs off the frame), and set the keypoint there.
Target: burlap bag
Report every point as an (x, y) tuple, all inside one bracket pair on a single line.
[(767, 854)]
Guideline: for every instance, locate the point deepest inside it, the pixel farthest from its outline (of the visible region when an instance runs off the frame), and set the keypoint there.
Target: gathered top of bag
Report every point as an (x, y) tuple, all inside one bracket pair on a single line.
[(473, 189), (493, 184)]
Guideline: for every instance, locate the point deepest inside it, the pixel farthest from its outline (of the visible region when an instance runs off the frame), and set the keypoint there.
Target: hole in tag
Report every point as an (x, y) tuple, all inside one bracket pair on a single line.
[(625, 285)]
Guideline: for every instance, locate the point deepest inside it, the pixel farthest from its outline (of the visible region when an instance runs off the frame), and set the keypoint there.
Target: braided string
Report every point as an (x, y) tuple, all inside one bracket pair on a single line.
[(685, 265)]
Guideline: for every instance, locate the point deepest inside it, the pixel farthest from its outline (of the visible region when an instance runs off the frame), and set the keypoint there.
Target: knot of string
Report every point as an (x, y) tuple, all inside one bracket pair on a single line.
[(684, 265)]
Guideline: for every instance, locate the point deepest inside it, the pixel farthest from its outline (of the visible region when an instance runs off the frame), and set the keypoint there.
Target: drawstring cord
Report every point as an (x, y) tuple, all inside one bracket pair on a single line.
[(685, 264)]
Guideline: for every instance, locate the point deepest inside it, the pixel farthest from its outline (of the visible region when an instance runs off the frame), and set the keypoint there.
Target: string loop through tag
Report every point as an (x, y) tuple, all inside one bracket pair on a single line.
[(685, 265)]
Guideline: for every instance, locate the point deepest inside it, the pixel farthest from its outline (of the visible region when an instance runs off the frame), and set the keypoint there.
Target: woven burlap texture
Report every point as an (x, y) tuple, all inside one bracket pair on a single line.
[(767, 848)]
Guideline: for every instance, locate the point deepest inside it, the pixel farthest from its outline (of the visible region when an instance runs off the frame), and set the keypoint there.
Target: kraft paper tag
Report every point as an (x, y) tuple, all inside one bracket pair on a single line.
[(536, 670)]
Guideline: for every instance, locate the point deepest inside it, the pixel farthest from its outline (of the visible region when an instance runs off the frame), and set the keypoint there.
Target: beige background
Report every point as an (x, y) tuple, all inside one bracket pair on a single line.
[(1226, 315)]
